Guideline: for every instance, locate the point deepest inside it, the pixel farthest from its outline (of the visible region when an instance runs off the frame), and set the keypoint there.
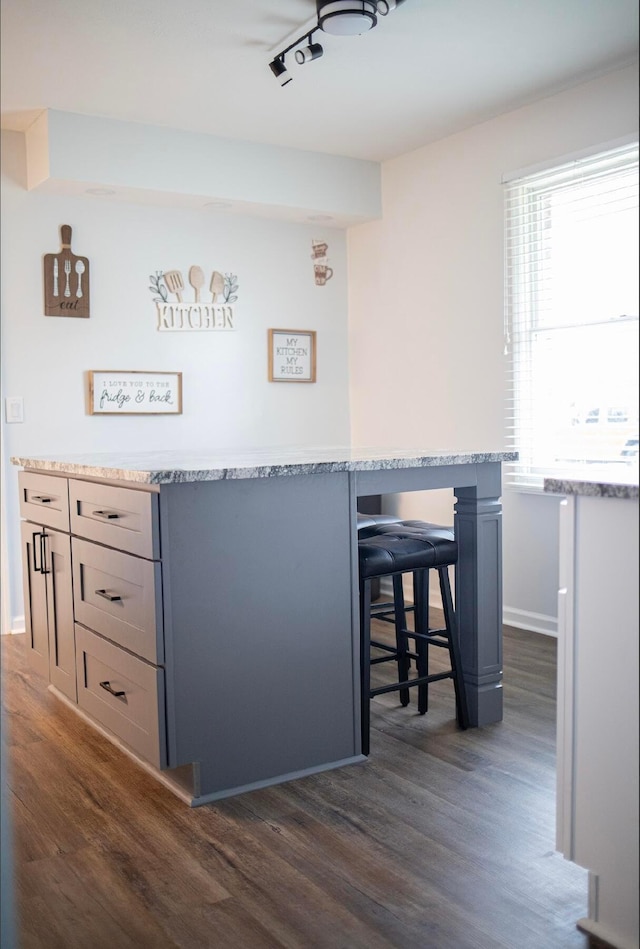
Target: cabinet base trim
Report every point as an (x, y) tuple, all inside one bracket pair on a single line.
[(184, 781), (604, 934), (270, 782)]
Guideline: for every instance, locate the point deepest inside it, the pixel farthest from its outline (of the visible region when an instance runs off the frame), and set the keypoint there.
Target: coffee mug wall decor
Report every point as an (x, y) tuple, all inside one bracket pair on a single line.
[(321, 269)]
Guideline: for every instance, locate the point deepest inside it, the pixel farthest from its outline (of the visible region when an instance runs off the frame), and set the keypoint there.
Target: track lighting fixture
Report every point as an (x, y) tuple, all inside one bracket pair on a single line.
[(279, 70), (308, 53), (338, 17)]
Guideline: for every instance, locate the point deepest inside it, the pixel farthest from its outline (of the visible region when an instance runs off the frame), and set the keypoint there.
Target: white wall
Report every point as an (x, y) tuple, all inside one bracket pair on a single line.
[(425, 288), (426, 308), (227, 398)]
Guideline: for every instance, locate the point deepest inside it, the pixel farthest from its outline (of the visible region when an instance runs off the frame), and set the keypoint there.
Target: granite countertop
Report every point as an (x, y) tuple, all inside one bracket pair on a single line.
[(601, 485), (171, 467)]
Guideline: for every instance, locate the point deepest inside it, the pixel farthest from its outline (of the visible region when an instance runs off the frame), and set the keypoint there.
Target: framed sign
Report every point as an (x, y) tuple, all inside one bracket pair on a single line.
[(113, 392), (292, 356)]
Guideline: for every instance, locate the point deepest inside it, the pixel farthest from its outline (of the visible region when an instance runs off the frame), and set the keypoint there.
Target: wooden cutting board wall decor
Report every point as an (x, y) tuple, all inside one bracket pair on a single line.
[(66, 280)]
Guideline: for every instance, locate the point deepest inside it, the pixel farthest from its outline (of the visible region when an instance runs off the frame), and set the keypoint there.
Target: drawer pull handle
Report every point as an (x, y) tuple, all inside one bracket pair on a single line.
[(41, 499), (107, 596), (108, 515), (107, 687)]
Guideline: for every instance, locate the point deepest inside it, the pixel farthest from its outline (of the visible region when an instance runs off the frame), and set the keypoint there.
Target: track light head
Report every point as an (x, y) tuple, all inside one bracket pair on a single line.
[(279, 70), (383, 7), (309, 53)]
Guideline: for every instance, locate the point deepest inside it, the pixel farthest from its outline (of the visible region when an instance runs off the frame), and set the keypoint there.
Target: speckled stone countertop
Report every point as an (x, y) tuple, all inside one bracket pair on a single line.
[(602, 485), (172, 467)]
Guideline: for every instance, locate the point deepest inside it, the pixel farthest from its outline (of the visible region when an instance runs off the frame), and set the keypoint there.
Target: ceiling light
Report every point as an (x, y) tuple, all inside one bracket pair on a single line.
[(309, 53), (339, 17), (346, 17), (279, 70)]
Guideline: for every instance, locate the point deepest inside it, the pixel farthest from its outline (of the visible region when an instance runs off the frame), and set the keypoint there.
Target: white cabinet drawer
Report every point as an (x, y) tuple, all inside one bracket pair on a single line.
[(118, 517), (122, 693), (44, 499), (120, 597)]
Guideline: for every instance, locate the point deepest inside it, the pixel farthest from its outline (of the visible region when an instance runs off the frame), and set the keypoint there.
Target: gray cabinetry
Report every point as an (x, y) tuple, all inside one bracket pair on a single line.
[(117, 604), (123, 518), (123, 694), (215, 602), (120, 597), (46, 563), (93, 614), (223, 658)]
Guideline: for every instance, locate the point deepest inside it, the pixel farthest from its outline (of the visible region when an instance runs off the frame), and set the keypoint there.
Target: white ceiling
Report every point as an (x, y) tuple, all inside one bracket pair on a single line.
[(431, 68)]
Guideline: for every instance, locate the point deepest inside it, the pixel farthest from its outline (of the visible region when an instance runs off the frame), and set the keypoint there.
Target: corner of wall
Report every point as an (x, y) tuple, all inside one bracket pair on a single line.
[(37, 146)]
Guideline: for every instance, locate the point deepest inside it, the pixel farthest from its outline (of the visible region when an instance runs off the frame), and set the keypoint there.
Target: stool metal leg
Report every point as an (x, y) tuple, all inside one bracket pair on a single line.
[(451, 623), (421, 602), (402, 642), (365, 667)]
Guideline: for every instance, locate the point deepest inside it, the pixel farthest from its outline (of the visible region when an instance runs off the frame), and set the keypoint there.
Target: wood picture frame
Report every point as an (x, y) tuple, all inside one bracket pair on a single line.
[(292, 355), (137, 392)]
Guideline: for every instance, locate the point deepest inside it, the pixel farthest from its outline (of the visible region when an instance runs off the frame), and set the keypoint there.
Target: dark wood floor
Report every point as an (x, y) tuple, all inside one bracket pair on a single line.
[(441, 839)]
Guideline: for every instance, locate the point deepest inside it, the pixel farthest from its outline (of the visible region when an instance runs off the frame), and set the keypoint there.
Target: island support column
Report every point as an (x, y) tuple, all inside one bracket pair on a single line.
[(478, 525)]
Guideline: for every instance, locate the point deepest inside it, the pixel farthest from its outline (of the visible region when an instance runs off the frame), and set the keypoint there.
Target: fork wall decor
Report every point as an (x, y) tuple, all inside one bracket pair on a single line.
[(66, 280), (177, 315)]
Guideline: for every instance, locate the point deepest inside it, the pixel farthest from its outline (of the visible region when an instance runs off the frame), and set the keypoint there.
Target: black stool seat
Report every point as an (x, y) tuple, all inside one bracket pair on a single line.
[(392, 549), (369, 524), (404, 548)]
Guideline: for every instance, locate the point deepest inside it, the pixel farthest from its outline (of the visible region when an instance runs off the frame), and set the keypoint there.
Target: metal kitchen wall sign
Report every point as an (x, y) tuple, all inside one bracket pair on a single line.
[(321, 269), (215, 313), (66, 280)]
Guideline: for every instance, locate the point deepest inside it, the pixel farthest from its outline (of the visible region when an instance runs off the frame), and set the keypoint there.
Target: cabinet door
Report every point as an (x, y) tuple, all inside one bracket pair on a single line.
[(36, 621), (62, 650)]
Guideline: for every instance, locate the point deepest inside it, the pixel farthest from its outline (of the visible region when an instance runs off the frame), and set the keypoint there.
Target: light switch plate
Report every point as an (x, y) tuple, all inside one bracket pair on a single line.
[(14, 408)]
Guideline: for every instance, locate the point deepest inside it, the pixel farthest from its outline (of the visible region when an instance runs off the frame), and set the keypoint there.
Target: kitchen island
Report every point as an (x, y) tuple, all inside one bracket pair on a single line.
[(597, 771), (201, 610)]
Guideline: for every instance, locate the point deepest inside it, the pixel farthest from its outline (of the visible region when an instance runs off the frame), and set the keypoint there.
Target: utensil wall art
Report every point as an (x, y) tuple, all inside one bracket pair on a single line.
[(66, 280), (178, 315)]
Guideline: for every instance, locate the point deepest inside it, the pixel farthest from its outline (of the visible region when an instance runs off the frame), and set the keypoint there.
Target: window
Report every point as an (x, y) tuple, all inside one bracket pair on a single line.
[(571, 317)]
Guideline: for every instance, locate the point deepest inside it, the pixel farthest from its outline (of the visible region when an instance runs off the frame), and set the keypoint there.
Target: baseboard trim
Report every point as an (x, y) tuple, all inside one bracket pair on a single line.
[(17, 626), (526, 619)]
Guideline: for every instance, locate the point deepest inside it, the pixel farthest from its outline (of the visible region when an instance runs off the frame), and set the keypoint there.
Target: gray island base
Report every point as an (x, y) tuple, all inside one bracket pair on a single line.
[(211, 622)]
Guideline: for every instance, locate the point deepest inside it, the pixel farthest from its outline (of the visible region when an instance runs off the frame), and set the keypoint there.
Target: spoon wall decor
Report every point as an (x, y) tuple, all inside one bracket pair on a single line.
[(79, 270), (196, 279)]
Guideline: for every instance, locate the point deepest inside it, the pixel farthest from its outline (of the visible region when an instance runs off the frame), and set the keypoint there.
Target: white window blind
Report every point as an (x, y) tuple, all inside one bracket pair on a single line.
[(571, 318)]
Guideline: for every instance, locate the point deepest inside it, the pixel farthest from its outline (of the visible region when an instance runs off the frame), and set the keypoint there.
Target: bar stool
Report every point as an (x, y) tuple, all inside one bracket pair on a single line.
[(397, 549), (368, 525)]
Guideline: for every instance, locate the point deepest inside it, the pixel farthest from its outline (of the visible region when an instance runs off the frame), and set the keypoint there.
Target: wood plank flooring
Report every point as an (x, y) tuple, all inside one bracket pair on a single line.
[(442, 839)]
